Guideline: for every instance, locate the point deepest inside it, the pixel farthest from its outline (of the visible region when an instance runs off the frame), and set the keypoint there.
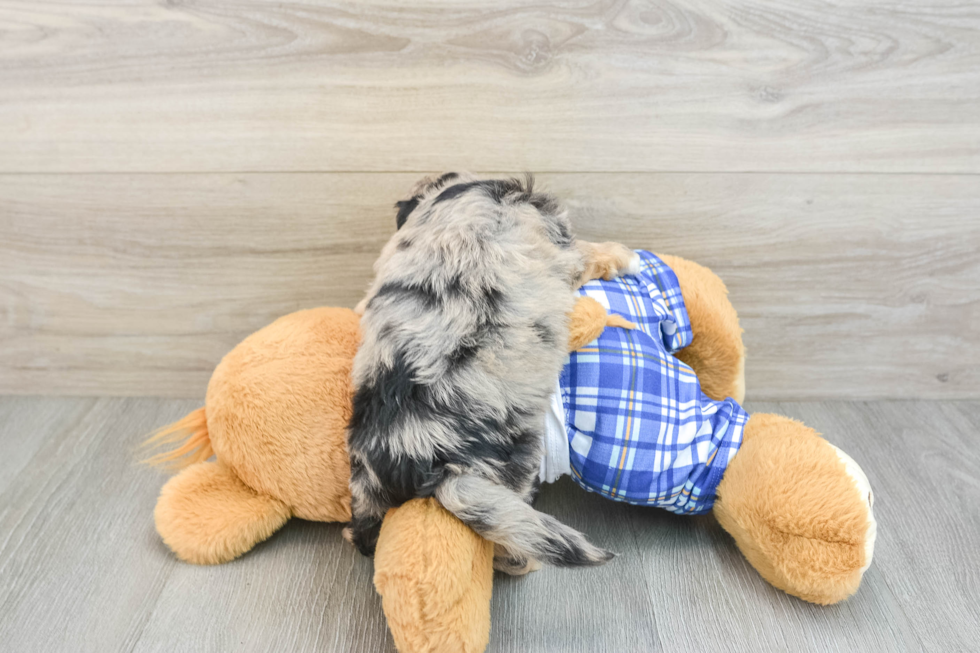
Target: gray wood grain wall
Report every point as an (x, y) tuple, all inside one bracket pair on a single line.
[(174, 176)]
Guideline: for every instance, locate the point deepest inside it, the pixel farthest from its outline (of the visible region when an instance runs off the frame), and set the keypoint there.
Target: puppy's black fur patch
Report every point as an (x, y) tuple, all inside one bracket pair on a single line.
[(545, 333), (455, 191), (500, 190), (405, 208), (420, 294)]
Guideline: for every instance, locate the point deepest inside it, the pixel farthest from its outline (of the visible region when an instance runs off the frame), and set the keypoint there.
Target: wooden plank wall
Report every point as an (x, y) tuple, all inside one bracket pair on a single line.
[(175, 175)]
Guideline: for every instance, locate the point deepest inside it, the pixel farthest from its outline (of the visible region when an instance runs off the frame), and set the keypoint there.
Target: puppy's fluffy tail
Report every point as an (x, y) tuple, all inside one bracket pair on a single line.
[(501, 516)]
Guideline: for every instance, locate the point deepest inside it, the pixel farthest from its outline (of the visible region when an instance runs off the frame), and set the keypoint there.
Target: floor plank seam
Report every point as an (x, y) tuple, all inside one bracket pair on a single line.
[(646, 581), (148, 614)]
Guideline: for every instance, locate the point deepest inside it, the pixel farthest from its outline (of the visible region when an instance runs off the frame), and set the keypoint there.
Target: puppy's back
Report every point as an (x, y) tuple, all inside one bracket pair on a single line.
[(471, 296), (464, 336)]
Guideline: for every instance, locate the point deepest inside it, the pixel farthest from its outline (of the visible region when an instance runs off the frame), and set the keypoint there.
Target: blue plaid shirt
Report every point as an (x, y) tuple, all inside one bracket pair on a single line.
[(639, 428)]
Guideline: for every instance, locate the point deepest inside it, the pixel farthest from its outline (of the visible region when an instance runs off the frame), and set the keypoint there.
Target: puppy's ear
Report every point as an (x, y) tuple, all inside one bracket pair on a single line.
[(405, 208)]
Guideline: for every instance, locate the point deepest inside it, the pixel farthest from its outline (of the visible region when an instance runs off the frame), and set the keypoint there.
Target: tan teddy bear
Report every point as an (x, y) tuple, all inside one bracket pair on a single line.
[(274, 421)]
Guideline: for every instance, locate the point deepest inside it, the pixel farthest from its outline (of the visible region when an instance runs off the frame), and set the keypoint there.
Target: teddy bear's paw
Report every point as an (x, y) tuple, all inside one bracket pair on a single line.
[(867, 496)]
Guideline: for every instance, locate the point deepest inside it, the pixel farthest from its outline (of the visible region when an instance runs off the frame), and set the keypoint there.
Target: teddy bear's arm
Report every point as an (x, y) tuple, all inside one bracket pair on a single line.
[(716, 353), (588, 319)]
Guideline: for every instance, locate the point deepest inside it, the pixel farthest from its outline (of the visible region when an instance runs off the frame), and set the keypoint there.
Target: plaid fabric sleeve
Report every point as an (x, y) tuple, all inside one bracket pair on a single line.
[(640, 429), (675, 328)]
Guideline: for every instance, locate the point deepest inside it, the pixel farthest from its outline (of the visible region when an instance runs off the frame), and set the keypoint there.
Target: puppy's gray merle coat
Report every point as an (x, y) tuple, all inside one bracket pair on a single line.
[(464, 335)]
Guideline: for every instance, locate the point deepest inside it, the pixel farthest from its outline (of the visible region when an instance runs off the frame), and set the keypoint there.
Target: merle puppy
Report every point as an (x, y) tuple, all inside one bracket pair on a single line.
[(464, 335)]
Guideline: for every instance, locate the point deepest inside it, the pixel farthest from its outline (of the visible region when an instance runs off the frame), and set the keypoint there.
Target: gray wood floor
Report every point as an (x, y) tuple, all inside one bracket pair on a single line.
[(81, 568)]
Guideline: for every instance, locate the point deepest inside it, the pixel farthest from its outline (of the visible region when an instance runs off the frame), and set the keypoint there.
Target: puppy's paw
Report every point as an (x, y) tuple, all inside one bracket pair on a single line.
[(620, 261), (516, 566), (348, 534), (610, 260), (634, 266)]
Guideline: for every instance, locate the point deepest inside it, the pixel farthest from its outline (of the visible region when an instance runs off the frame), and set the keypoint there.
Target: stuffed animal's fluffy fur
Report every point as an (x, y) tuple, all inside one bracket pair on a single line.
[(464, 334), (277, 408)]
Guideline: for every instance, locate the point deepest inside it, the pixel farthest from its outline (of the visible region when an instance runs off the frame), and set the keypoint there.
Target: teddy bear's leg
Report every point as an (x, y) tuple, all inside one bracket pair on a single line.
[(799, 510), (716, 353), (435, 577), (206, 515)]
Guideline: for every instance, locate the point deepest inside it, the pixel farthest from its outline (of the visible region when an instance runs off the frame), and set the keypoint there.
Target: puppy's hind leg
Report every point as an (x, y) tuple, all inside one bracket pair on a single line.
[(607, 260), (367, 511), (363, 533)]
